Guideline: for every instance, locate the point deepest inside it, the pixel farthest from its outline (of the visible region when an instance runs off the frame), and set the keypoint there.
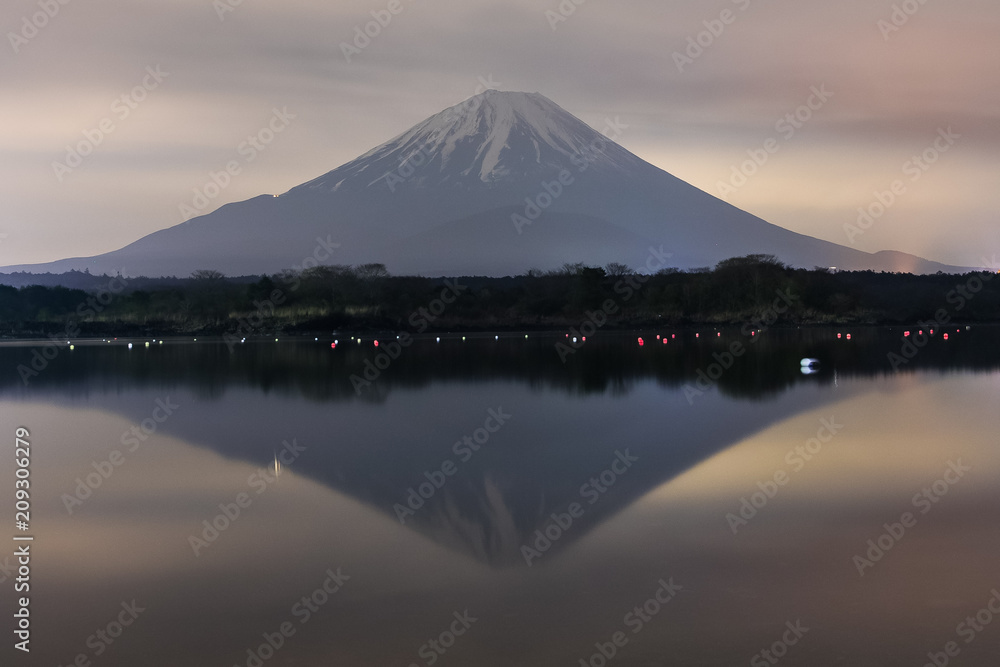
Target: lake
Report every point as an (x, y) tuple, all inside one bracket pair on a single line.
[(700, 499)]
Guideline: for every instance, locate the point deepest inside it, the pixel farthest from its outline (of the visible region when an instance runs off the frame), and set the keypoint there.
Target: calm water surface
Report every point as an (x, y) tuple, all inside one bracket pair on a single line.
[(483, 503)]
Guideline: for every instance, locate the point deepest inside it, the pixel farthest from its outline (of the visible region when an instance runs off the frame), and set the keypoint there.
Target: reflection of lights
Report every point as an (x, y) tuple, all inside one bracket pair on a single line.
[(808, 370)]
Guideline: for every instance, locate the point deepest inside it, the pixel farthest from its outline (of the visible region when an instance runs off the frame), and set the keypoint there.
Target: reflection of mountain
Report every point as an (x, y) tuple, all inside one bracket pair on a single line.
[(241, 404)]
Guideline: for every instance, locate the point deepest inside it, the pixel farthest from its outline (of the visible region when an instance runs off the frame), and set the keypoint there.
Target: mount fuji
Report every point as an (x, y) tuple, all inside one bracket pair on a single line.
[(497, 185)]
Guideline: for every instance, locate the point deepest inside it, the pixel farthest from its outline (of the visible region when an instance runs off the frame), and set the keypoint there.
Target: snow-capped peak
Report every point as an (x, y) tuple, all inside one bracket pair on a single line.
[(487, 138)]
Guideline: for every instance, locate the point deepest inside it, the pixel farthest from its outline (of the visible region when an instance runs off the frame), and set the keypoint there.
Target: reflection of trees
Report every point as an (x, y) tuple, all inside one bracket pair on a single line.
[(608, 362)]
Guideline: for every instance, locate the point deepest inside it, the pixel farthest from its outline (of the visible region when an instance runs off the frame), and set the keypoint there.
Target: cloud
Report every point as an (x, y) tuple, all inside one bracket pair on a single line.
[(606, 59)]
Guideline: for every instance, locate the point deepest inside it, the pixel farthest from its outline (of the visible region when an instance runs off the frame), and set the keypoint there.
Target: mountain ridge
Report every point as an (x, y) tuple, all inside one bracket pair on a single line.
[(446, 195)]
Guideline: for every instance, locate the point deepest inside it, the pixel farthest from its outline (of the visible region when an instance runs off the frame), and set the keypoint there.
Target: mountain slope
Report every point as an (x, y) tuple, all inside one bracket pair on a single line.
[(498, 184)]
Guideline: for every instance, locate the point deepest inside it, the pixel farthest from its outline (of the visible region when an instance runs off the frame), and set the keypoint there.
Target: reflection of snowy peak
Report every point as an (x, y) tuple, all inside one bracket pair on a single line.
[(488, 138)]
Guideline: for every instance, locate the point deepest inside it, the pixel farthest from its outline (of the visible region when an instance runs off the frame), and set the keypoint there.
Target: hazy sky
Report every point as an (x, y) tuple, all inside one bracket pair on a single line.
[(889, 91)]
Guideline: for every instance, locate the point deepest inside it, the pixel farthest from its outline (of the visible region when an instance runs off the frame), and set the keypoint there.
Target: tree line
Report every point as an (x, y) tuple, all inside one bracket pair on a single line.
[(366, 297)]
